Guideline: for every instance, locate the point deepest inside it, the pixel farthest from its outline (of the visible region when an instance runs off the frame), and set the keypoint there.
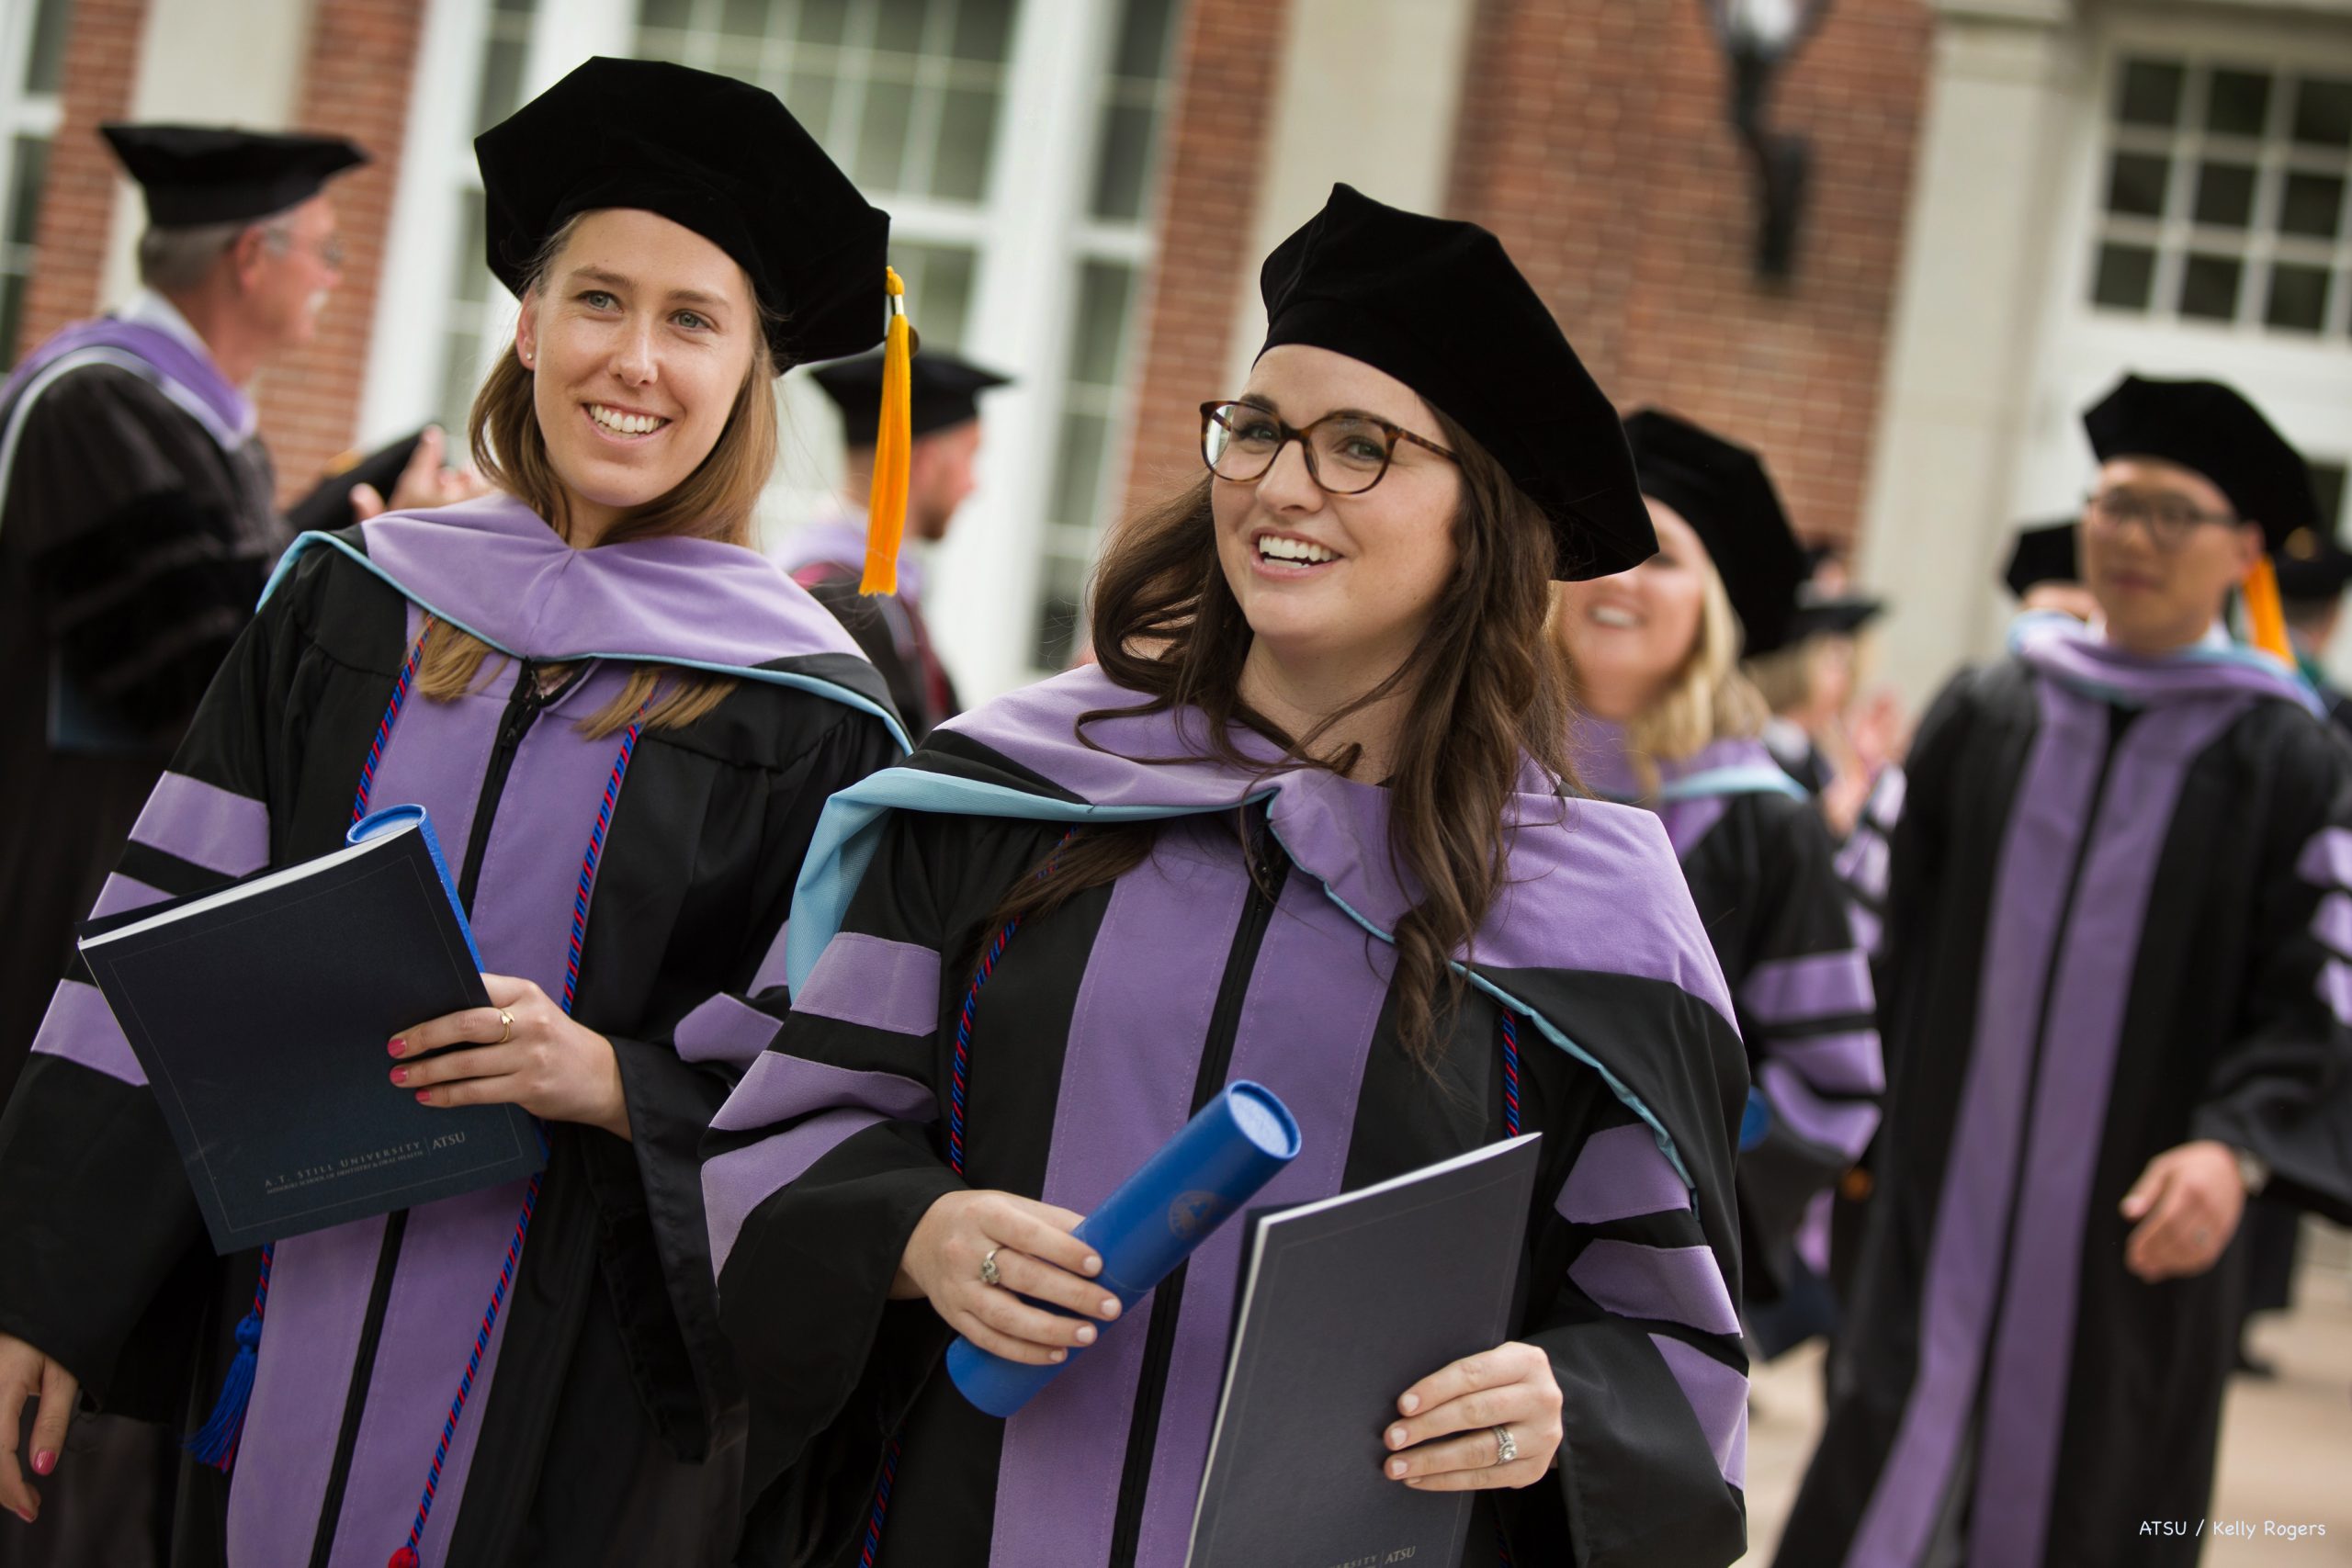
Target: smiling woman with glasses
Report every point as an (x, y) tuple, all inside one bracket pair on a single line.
[(1308, 823)]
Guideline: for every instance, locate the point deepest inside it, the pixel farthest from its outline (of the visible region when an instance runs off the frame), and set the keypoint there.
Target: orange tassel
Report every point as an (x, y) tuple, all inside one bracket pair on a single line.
[(885, 516), (2265, 615)]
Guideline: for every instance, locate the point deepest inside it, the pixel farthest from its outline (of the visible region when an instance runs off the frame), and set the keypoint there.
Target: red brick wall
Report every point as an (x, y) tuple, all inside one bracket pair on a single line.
[(77, 200), (1227, 64), (1595, 141), (355, 82)]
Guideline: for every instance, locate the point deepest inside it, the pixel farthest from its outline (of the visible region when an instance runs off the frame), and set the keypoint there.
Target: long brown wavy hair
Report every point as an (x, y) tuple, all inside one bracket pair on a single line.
[(1487, 696), (717, 501)]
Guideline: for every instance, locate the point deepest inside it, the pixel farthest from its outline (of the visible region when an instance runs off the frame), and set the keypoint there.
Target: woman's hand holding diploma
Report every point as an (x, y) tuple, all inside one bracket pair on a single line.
[(554, 1067), (1511, 1387), (1035, 1255)]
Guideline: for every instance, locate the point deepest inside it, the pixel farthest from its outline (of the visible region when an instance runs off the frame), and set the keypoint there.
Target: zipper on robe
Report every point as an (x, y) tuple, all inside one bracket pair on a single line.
[(1271, 872)]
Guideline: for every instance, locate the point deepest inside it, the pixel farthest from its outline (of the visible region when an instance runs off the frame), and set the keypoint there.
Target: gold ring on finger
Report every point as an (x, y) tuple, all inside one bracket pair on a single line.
[(506, 1027), (989, 1276)]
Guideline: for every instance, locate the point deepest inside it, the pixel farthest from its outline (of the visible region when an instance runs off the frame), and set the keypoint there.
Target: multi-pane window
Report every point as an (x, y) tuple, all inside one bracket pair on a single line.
[(32, 61), (2224, 194), (904, 94), (1113, 245), (479, 312)]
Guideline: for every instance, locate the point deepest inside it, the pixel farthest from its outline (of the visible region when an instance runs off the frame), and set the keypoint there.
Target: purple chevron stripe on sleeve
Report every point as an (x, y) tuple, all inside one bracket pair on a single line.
[(205, 825), (2333, 923), (2326, 861), (725, 1030), (1845, 1063), (1718, 1397), (876, 982), (1620, 1173), (1668, 1285), (2334, 988), (1821, 985), (123, 893), (738, 1181), (782, 1088), (1845, 1125), (1870, 931), (81, 1028)]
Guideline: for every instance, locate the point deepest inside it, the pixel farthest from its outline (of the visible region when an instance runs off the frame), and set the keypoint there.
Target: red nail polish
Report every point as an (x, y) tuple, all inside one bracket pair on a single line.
[(44, 1461), (424, 1097), (399, 1074), (397, 1046)]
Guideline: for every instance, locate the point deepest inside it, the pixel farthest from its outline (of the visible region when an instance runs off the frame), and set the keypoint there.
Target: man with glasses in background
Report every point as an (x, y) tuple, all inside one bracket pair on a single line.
[(138, 524), (2116, 1000)]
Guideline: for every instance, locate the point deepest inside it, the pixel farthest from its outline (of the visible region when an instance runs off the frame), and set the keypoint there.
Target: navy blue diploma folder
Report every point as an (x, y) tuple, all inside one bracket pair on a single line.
[(260, 1012), (1343, 1305)]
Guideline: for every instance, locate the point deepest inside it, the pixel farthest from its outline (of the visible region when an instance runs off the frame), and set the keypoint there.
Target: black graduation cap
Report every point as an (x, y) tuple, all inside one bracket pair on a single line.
[(328, 506), (716, 155), (2212, 428), (195, 174), (2312, 567), (2045, 552), (1723, 492), (1840, 614), (1439, 305), (946, 391)]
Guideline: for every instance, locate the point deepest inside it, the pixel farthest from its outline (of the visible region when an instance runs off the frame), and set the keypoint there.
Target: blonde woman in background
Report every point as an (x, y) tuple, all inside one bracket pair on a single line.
[(1670, 723)]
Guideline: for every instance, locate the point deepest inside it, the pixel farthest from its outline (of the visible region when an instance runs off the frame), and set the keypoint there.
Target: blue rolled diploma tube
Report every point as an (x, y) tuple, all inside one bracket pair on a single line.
[(1199, 1178)]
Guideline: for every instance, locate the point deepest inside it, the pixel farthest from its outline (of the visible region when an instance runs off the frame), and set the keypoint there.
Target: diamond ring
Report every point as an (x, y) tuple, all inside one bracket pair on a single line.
[(1505, 1446), (989, 1276)]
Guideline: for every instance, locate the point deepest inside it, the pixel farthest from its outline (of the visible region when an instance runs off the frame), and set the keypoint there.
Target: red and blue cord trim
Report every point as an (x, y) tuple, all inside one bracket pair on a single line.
[(957, 1072), (1510, 1073), (407, 1556)]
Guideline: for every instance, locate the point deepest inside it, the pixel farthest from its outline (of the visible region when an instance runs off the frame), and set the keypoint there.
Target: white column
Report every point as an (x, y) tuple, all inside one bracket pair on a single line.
[(983, 605), (1369, 93), (207, 63), (1968, 320)]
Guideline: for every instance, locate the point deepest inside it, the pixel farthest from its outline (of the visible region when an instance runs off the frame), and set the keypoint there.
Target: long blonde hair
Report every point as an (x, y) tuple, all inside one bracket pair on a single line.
[(1707, 699), (717, 501)]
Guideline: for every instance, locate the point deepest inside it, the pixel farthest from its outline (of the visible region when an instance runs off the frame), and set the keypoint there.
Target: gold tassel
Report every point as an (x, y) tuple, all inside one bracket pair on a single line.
[(2265, 615), (885, 515)]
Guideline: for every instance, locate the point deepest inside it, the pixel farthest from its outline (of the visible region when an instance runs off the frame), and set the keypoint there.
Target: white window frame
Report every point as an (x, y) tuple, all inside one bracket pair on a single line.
[(2303, 384), (1031, 233), (22, 113)]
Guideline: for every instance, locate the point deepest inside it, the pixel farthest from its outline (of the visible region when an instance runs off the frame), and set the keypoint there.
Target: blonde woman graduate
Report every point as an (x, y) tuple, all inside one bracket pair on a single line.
[(1306, 823), (1674, 726), (624, 722)]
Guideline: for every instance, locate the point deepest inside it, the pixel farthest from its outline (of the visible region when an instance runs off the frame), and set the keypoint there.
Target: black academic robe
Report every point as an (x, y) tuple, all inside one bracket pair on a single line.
[(1101, 1028), (1763, 877), (605, 1425), (136, 526), (2118, 920), (827, 559)]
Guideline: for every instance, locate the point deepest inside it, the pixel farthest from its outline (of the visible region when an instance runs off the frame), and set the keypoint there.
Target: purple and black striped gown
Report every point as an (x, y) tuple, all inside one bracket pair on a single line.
[(2119, 918), (1103, 1024), (604, 1424), (1764, 877)]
